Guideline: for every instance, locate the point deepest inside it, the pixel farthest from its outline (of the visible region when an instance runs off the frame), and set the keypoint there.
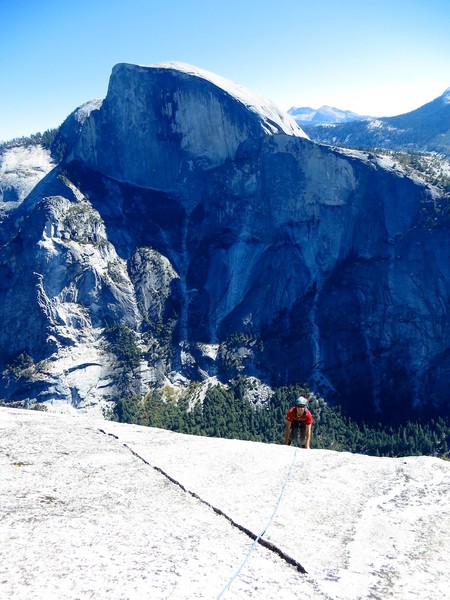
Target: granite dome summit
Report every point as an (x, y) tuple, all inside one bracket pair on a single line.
[(205, 220), (165, 114)]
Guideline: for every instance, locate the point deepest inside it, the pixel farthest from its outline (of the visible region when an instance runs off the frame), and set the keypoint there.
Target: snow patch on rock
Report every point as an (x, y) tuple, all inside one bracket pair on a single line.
[(85, 110), (21, 168), (446, 96)]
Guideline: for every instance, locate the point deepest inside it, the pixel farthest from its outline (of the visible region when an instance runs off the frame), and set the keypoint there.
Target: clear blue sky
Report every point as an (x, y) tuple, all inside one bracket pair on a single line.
[(382, 57)]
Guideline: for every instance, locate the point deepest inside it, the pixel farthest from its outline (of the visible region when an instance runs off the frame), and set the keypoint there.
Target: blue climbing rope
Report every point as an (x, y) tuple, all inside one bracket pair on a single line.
[(256, 541)]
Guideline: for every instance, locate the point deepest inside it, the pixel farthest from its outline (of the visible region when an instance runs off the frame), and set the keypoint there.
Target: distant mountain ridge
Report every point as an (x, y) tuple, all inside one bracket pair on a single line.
[(425, 129), (323, 115)]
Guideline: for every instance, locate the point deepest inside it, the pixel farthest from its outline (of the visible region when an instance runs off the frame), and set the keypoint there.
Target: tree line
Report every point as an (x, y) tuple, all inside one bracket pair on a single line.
[(46, 139), (226, 413)]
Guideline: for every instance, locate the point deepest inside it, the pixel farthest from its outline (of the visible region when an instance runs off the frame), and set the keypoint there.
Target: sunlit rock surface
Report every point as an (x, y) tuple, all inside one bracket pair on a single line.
[(94, 509)]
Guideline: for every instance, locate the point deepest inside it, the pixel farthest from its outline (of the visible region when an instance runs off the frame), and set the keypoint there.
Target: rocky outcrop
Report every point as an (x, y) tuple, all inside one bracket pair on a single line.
[(205, 221)]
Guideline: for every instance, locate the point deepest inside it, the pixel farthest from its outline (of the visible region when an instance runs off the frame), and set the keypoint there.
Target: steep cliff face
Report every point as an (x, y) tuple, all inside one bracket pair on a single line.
[(157, 127), (206, 221)]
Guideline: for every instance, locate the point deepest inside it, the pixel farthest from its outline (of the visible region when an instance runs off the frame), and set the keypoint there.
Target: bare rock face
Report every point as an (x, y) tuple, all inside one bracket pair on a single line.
[(202, 217), (158, 126), (379, 527)]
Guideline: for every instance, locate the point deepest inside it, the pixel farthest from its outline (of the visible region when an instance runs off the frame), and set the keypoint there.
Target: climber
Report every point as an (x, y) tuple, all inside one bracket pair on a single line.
[(299, 422)]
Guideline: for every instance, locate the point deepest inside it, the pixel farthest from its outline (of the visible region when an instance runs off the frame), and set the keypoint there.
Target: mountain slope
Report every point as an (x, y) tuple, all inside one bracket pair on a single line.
[(426, 129), (96, 509)]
